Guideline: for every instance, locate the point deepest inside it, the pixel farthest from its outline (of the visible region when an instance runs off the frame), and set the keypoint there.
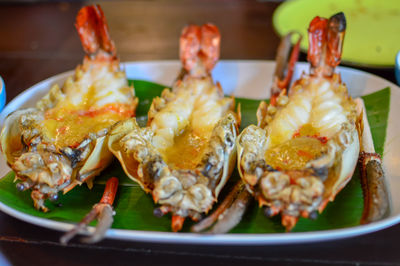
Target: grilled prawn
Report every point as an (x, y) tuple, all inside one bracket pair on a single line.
[(306, 146), (62, 141), (187, 151)]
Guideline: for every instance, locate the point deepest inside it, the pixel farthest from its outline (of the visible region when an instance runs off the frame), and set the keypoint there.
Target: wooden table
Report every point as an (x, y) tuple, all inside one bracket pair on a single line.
[(39, 40)]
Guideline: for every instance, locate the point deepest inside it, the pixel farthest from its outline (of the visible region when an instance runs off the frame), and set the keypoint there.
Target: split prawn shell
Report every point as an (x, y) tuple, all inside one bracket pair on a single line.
[(253, 139), (146, 177), (12, 147), (131, 165), (10, 141), (98, 156)]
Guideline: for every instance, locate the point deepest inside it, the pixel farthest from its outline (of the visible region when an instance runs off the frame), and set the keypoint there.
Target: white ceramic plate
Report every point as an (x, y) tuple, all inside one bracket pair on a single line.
[(249, 79)]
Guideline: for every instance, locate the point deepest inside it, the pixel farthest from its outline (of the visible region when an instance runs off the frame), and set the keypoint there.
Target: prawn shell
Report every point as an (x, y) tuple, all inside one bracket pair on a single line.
[(142, 170), (133, 168), (98, 158), (253, 138), (10, 141)]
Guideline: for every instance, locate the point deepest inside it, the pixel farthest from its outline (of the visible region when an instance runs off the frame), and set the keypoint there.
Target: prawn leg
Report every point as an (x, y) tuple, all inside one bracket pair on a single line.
[(376, 200), (103, 211)]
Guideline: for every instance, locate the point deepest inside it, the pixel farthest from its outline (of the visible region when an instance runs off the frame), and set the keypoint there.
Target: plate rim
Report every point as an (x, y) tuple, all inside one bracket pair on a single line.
[(231, 239), (194, 238)]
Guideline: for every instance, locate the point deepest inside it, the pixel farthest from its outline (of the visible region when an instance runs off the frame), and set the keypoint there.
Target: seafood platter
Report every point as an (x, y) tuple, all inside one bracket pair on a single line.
[(196, 151)]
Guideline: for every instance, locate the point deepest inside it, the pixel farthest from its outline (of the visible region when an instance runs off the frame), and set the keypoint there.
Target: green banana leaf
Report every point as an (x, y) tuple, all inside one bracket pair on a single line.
[(134, 208)]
